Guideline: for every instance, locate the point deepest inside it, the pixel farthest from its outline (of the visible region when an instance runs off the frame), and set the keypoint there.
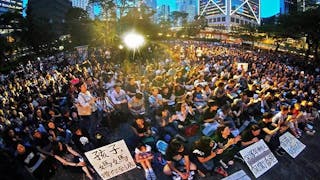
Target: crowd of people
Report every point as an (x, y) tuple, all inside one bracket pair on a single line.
[(54, 109)]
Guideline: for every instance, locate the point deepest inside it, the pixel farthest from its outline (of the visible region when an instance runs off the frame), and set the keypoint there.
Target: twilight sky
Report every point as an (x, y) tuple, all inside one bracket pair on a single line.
[(268, 7)]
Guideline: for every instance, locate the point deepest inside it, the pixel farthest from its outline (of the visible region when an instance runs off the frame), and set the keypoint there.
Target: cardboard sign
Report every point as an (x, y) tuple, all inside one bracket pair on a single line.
[(242, 66), (239, 175), (111, 160), (291, 144), (259, 158)]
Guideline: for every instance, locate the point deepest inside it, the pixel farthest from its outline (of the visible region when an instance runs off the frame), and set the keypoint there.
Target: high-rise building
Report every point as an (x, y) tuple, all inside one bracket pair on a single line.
[(288, 6), (80, 4), (90, 10), (10, 5), (187, 6), (85, 5), (151, 3), (163, 13), (50, 12), (224, 14)]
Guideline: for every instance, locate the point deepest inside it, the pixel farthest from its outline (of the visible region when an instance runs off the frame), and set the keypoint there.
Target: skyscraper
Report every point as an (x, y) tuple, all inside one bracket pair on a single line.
[(187, 6), (12, 5), (49, 12), (227, 13), (9, 6), (85, 5), (163, 13), (151, 3), (288, 6), (80, 4)]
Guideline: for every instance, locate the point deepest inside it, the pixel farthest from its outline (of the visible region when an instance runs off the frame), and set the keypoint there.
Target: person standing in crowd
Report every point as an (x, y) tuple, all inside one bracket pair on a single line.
[(85, 103)]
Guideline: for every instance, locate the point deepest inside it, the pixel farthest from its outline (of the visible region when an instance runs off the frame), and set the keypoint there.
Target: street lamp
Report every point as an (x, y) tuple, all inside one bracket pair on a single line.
[(133, 41)]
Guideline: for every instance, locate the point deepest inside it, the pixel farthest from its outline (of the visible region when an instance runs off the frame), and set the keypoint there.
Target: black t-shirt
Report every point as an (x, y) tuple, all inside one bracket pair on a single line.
[(139, 129), (131, 88), (248, 136), (176, 156), (209, 114), (262, 125), (220, 140), (29, 158)]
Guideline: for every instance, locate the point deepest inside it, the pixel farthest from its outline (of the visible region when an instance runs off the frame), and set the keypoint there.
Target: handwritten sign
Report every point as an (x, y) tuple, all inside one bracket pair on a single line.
[(259, 158), (111, 160), (291, 144), (239, 175), (242, 66)]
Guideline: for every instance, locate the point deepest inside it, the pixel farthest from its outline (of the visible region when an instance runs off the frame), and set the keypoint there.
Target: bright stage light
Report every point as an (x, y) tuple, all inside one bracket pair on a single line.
[(133, 40)]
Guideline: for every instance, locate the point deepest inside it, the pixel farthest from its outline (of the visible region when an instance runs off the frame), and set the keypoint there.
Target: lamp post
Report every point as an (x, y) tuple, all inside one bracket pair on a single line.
[(133, 41)]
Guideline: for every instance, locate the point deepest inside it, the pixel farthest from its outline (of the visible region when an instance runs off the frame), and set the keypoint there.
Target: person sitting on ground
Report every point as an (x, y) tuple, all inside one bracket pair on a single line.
[(143, 156), (228, 143), (34, 161), (142, 130), (178, 162), (270, 133), (251, 136), (204, 152), (136, 105), (281, 119), (69, 157)]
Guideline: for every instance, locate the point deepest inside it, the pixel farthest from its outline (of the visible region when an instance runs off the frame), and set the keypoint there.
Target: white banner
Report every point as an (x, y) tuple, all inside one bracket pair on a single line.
[(239, 175), (82, 52), (242, 66), (291, 144), (111, 160), (259, 158)]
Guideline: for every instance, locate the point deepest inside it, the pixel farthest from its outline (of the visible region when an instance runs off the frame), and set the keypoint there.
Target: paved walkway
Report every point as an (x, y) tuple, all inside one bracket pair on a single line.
[(304, 167)]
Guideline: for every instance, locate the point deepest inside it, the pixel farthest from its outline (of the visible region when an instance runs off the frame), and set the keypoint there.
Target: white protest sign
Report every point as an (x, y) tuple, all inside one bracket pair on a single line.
[(291, 144), (111, 160), (259, 158), (239, 175), (242, 66)]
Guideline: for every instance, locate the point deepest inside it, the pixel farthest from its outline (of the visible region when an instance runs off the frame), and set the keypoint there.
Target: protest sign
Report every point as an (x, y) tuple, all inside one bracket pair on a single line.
[(242, 66), (291, 144), (239, 175), (259, 158), (111, 160)]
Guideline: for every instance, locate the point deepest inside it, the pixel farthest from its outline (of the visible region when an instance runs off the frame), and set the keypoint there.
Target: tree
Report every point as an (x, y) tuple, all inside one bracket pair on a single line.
[(107, 28), (179, 18), (78, 24), (247, 33)]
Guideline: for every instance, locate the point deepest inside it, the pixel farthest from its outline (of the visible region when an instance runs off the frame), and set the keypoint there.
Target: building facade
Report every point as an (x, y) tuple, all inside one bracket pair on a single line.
[(188, 6), (12, 5), (9, 6), (163, 13), (224, 14), (50, 12), (288, 6), (80, 4)]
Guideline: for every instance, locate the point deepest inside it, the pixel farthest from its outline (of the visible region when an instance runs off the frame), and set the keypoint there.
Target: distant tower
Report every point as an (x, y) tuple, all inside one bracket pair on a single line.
[(188, 6), (224, 14), (288, 6)]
